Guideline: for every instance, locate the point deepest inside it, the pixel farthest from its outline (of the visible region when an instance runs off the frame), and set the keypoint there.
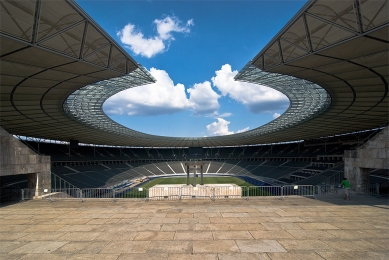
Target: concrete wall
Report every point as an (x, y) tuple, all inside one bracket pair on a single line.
[(372, 155), (17, 158)]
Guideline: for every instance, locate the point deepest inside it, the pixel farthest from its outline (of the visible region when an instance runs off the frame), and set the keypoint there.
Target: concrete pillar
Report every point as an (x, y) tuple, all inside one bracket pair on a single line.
[(374, 154), (195, 165), (16, 158), (38, 182), (202, 180), (194, 177), (358, 177), (187, 175)]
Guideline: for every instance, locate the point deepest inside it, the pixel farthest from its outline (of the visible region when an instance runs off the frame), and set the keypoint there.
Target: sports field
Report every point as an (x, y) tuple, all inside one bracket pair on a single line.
[(142, 193), (207, 180)]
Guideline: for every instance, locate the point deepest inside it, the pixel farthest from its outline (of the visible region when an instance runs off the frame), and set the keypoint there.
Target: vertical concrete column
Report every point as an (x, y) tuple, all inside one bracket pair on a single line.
[(373, 154), (194, 175), (362, 175), (187, 175), (202, 180), (38, 182), (357, 176), (33, 183)]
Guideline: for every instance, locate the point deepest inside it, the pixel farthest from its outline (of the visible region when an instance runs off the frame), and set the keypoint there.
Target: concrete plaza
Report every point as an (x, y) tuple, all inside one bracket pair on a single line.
[(293, 228)]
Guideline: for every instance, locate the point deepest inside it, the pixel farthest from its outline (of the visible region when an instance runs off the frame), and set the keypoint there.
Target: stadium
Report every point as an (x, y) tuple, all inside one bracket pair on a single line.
[(58, 67)]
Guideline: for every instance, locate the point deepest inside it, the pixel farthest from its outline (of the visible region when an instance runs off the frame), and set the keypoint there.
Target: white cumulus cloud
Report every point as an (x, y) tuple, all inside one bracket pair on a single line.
[(166, 97), (219, 128), (203, 99), (243, 130), (276, 115), (256, 98), (217, 115), (134, 39), (163, 97)]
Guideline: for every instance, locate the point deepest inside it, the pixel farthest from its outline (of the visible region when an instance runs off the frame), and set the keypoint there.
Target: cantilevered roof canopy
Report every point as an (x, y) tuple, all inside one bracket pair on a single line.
[(58, 67), (49, 49), (341, 46)]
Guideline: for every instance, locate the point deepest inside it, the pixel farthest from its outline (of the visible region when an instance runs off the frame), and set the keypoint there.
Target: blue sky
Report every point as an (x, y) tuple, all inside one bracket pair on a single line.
[(193, 49)]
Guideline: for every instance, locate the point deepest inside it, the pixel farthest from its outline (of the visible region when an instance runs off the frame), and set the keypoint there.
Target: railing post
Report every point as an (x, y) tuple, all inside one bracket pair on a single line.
[(377, 189), (22, 195), (248, 192), (81, 200), (282, 192)]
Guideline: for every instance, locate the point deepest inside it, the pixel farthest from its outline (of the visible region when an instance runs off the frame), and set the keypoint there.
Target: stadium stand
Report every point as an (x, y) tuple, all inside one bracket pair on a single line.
[(308, 162)]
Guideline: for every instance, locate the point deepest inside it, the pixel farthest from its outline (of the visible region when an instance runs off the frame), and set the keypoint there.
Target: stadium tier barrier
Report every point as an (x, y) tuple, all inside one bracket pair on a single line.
[(184, 193)]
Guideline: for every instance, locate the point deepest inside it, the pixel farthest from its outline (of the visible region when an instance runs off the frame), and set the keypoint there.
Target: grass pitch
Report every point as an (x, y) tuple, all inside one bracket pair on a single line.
[(252, 191), (207, 180)]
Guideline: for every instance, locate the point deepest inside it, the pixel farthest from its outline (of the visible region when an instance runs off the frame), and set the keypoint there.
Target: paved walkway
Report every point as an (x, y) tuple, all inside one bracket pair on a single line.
[(294, 228)]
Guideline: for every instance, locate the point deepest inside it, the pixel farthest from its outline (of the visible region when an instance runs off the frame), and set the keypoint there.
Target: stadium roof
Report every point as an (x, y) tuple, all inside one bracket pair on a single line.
[(58, 67)]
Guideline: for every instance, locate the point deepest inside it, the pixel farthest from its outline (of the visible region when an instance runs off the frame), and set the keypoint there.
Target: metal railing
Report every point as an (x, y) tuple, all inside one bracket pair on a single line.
[(354, 191), (329, 183), (189, 192), (59, 183), (367, 189), (262, 191)]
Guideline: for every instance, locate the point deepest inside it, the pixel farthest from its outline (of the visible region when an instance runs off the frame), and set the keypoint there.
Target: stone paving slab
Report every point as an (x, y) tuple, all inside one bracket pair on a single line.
[(36, 236), (82, 247), (185, 247), (215, 246), (194, 220), (310, 234), (359, 255), (260, 245), (8, 246), (126, 247), (300, 256), (221, 235), (237, 256), (153, 235), (271, 234), (46, 256), (38, 247), (298, 228), (193, 235)]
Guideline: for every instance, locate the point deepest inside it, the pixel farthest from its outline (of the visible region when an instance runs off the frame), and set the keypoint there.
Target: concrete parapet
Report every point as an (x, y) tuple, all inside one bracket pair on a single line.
[(16, 158)]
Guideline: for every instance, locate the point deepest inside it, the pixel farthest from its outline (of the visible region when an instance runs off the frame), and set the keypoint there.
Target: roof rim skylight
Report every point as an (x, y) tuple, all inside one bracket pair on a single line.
[(83, 107)]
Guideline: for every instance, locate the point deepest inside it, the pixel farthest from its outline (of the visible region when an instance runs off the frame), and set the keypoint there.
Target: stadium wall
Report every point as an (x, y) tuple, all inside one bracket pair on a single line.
[(374, 154), (17, 158)]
